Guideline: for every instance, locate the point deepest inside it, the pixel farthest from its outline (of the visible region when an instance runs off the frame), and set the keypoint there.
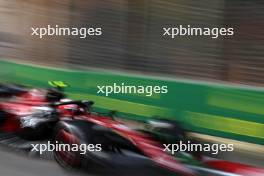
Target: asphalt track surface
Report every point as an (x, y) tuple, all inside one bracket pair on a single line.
[(17, 162), (13, 163)]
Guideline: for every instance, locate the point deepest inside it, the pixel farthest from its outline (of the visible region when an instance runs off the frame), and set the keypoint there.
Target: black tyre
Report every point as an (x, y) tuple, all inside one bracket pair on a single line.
[(71, 132), (83, 132)]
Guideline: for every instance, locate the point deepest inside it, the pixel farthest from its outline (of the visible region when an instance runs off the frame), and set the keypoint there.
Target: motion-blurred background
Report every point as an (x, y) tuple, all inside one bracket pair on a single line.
[(132, 36), (132, 43)]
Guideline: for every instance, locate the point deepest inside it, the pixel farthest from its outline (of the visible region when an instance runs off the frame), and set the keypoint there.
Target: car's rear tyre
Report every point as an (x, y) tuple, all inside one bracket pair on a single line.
[(83, 132), (72, 132)]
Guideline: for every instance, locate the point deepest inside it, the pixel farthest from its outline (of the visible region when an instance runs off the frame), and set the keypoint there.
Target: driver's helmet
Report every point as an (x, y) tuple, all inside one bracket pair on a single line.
[(54, 95), (68, 110)]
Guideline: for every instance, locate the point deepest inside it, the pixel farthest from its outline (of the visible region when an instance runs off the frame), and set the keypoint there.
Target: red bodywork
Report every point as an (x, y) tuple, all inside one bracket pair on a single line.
[(21, 105), (236, 168), (150, 148), (154, 150)]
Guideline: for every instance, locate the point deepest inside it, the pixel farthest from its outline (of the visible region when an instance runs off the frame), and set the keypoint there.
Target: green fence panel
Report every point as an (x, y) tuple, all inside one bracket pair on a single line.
[(234, 112)]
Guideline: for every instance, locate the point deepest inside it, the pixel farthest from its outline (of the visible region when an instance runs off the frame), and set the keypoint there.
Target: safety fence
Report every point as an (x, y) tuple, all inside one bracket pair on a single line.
[(209, 108)]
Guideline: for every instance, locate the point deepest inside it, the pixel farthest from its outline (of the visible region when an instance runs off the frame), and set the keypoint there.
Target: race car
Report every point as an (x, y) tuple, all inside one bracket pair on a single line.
[(73, 122)]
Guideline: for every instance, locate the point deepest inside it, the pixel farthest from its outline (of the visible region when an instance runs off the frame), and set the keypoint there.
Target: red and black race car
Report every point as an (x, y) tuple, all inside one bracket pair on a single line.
[(43, 114)]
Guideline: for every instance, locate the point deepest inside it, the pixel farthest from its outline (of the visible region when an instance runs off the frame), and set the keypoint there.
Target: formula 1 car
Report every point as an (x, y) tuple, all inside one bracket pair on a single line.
[(72, 122)]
